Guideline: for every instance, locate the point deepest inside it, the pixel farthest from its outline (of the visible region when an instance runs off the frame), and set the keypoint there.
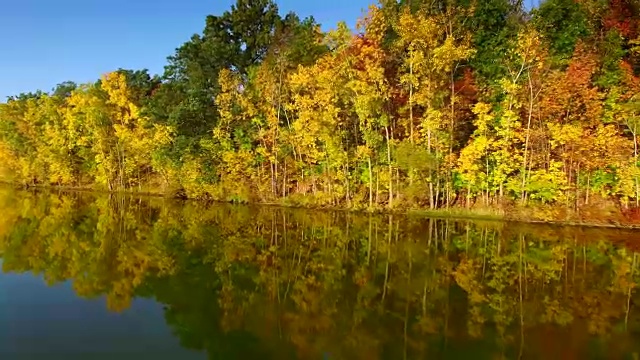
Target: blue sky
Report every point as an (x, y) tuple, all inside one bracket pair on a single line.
[(47, 42)]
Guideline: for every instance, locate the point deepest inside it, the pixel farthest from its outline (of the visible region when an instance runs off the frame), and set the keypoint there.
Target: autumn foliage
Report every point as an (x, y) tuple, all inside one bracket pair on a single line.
[(428, 105)]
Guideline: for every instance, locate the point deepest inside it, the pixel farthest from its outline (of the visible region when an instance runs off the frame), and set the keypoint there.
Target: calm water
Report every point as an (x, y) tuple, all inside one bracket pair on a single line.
[(98, 277)]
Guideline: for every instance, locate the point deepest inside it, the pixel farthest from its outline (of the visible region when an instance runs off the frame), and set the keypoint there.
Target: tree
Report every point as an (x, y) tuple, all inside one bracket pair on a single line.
[(433, 52), (563, 23), (370, 93), (237, 40)]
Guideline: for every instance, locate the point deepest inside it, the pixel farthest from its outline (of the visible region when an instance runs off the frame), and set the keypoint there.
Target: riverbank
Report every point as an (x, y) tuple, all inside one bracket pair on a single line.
[(89, 189), (590, 216), (526, 215)]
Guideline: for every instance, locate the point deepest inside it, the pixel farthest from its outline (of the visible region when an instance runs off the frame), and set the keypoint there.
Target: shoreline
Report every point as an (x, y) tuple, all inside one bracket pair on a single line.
[(450, 213)]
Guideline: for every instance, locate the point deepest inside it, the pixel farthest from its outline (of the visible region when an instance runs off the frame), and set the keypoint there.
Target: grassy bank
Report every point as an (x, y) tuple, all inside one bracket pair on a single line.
[(592, 215)]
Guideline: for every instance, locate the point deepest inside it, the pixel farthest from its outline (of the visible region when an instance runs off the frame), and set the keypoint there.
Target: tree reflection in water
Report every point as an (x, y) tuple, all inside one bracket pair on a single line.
[(267, 282)]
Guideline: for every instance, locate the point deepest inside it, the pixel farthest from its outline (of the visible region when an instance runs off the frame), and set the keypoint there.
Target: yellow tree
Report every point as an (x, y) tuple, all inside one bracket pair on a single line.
[(58, 149), (83, 120), (319, 126), (432, 49), (500, 145), (529, 68), (526, 67), (108, 134), (473, 163), (236, 157), (20, 127), (623, 107), (135, 136), (10, 142), (371, 92)]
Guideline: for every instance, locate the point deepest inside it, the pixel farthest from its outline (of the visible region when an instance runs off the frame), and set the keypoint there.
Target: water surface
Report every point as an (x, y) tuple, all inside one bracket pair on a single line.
[(102, 277)]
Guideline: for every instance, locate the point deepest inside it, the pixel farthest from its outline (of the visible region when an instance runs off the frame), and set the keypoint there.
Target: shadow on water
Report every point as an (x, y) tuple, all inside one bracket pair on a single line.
[(248, 282)]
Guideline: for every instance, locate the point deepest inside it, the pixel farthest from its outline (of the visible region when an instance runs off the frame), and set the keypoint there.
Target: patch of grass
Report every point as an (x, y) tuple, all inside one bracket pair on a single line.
[(460, 213)]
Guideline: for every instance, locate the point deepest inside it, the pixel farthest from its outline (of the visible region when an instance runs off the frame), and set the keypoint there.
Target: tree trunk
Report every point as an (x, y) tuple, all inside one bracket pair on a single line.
[(346, 181), (397, 183), (577, 202), (390, 168), (284, 181), (635, 155), (377, 186), (526, 144), (431, 200), (451, 136), (586, 199), (411, 116), (370, 184), (275, 174), (411, 101), (273, 178), (437, 200)]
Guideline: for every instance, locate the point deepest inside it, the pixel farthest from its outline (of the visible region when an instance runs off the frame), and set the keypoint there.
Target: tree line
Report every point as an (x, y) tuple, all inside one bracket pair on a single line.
[(426, 104)]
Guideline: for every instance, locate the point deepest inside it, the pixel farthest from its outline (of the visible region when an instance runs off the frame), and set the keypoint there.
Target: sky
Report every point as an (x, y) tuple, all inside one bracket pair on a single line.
[(47, 42)]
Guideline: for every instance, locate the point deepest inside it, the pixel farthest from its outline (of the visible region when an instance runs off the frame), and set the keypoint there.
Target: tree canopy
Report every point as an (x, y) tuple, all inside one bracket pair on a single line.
[(427, 104)]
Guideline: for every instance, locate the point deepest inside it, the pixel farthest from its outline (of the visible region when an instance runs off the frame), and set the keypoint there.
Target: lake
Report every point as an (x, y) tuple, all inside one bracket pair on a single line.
[(89, 276)]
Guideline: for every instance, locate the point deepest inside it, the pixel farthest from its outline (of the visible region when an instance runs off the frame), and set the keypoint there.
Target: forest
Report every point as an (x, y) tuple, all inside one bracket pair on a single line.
[(477, 105)]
